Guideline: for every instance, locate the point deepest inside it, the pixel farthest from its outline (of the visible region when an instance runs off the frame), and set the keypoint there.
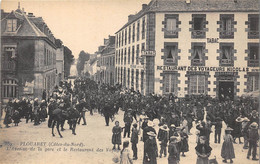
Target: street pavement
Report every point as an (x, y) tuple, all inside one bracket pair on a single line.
[(29, 144)]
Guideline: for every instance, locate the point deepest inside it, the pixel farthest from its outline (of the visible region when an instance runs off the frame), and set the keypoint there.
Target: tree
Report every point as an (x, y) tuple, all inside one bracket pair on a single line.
[(68, 61), (83, 57)]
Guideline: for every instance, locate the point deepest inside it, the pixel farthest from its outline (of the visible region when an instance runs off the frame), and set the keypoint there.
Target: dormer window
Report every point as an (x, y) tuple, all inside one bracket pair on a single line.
[(11, 25)]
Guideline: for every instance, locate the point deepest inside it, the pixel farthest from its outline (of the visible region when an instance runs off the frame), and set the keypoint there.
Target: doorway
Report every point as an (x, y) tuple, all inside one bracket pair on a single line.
[(226, 90)]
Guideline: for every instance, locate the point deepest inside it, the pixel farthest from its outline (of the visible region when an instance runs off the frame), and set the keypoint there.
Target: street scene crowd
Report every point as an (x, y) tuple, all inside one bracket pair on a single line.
[(176, 116)]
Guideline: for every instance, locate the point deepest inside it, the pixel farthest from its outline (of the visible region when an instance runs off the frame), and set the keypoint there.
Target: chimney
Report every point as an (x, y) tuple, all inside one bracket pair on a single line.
[(187, 1), (30, 15), (130, 17), (144, 6)]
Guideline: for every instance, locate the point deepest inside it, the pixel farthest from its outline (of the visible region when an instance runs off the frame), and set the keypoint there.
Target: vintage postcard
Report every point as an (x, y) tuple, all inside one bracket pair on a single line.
[(129, 82)]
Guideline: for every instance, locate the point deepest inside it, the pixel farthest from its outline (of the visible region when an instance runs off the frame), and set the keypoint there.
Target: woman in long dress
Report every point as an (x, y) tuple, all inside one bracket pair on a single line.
[(116, 137), (227, 150)]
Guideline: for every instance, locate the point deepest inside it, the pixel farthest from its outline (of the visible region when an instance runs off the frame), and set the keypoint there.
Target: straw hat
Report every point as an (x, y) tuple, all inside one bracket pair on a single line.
[(254, 125), (151, 134), (246, 119), (239, 119), (165, 128), (173, 126), (228, 129)]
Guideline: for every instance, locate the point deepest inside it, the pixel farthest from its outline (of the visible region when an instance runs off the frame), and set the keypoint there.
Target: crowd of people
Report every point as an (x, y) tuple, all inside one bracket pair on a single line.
[(176, 118)]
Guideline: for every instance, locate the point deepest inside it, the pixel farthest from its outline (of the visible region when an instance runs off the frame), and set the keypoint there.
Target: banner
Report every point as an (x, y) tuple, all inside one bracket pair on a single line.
[(208, 69)]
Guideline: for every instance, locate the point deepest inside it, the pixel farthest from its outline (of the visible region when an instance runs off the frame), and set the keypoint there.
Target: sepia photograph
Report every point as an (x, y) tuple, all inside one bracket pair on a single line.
[(129, 82)]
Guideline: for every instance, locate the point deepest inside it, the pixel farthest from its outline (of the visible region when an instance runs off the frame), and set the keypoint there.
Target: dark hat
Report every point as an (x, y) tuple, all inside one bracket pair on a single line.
[(239, 119), (135, 125)]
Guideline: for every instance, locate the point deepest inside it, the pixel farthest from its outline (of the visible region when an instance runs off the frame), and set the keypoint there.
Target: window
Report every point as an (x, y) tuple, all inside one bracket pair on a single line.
[(11, 25), (119, 57), (198, 26), (171, 25), (170, 54), (137, 54), (143, 28), (138, 31), (253, 83), (142, 81), (9, 89), (132, 79), (197, 84), (119, 39), (197, 56), (227, 26), (137, 79), (253, 26), (122, 56), (124, 82), (8, 62), (129, 37), (198, 23), (133, 54), (125, 36), (125, 57), (226, 55), (128, 55), (134, 32), (170, 83), (253, 55), (128, 77)]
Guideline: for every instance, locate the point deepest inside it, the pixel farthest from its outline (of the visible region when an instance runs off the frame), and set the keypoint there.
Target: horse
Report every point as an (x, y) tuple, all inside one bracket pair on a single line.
[(58, 116)]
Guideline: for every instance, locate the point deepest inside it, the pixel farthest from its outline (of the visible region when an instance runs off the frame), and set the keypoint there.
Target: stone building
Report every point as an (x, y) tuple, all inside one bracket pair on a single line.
[(107, 61), (190, 48), (28, 56), (59, 61)]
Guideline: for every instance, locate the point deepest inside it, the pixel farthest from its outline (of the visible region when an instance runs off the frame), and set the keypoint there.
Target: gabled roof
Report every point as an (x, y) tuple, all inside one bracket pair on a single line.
[(196, 6), (25, 26)]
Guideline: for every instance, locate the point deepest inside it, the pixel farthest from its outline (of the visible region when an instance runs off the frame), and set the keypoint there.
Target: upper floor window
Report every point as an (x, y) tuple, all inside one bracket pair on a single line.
[(198, 26), (11, 25), (133, 54), (125, 36), (170, 54), (226, 55), (143, 28), (227, 26), (138, 31), (133, 33), (125, 57), (129, 37), (170, 26), (253, 55), (197, 56), (253, 26), (128, 55), (137, 54)]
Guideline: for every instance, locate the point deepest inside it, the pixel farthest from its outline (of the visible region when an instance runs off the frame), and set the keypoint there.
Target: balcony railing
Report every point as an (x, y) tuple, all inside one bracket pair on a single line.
[(227, 34), (9, 66), (227, 62), (196, 62), (253, 63), (198, 33), (253, 34)]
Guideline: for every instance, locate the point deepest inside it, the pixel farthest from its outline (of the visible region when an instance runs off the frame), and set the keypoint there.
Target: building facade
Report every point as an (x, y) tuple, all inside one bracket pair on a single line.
[(190, 48), (28, 56), (59, 61), (107, 61)]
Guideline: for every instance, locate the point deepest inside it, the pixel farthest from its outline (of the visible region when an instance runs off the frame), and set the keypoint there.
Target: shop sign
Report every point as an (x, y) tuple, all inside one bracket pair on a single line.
[(212, 40), (137, 66), (208, 69), (148, 53)]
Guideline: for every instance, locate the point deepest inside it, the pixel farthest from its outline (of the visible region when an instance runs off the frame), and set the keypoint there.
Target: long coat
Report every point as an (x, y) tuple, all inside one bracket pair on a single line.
[(116, 137), (150, 151), (227, 150), (174, 154)]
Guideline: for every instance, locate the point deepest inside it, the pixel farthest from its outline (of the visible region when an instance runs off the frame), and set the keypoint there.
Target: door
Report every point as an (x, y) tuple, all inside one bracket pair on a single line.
[(226, 90)]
